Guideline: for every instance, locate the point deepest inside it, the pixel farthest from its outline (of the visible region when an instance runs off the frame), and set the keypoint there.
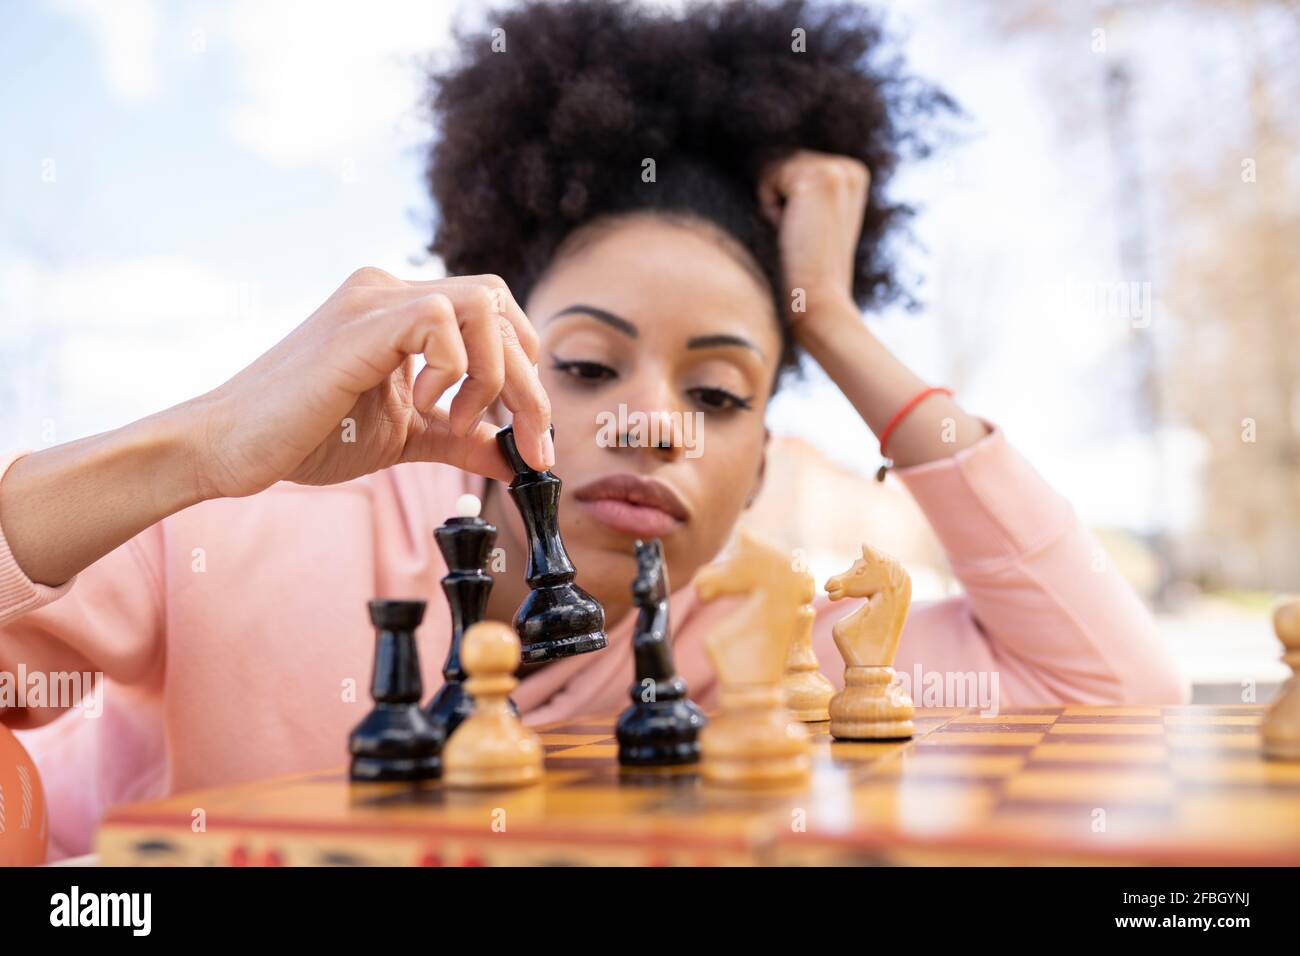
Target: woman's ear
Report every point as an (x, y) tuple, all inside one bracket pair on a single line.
[(762, 469)]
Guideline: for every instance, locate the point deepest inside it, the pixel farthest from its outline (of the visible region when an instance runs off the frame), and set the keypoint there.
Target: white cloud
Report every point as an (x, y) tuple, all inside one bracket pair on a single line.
[(91, 347), (127, 33), (139, 295), (320, 82), (317, 83)]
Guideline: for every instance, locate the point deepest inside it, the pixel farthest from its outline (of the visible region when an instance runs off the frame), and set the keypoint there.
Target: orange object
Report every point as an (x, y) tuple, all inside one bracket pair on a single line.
[(906, 410), (24, 829)]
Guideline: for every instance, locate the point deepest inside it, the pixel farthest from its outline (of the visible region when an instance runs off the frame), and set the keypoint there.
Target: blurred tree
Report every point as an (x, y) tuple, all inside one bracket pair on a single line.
[(1206, 204), (1237, 294)]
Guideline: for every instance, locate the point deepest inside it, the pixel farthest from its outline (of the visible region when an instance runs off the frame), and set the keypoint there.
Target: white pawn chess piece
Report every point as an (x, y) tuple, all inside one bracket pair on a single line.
[(1280, 729), (468, 506), (808, 691), (872, 706), (491, 747)]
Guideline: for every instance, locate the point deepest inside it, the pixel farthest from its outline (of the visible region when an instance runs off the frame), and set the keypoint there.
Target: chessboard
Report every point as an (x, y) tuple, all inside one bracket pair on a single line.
[(1048, 785)]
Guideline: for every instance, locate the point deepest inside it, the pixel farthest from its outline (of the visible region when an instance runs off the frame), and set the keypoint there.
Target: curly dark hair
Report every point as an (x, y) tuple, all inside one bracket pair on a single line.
[(551, 134)]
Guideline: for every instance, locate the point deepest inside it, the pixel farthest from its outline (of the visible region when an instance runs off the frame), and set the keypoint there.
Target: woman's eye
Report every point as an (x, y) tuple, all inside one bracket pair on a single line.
[(584, 371), (719, 399)]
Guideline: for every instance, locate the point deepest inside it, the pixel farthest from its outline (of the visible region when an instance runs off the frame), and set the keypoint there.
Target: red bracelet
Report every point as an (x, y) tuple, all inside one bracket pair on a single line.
[(902, 413)]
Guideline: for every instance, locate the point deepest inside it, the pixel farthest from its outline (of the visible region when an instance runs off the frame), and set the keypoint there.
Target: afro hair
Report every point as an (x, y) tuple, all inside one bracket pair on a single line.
[(550, 133)]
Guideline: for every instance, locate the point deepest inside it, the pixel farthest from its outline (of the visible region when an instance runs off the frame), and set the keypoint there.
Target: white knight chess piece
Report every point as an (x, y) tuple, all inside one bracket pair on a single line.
[(871, 706), (755, 741)]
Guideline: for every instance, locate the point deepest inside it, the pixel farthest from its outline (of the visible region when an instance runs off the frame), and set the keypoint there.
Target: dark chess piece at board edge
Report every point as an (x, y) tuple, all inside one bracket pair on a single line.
[(466, 542), (662, 726), (557, 618), (395, 741)]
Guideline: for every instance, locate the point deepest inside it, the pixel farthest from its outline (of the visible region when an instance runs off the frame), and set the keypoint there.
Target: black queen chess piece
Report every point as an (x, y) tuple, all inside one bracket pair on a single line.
[(663, 725), (557, 618), (396, 741), (466, 544)]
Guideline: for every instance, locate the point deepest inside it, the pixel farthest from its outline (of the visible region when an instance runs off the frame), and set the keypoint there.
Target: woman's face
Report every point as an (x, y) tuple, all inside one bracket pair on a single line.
[(658, 352)]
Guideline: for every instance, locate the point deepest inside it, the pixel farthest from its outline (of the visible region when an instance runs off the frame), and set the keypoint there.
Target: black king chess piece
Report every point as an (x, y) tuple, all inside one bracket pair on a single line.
[(466, 543), (662, 726), (395, 741), (557, 618)]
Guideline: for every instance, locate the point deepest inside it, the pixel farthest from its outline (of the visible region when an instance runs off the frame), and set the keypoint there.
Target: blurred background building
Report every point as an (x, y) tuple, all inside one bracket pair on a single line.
[(1108, 253)]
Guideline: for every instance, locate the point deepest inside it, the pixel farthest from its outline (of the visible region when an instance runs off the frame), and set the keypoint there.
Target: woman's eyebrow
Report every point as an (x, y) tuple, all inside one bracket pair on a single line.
[(713, 341), (609, 318)]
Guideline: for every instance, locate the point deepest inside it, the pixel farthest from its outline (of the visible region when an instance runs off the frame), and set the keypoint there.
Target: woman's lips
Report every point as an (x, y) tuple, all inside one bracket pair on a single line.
[(635, 505), (644, 521)]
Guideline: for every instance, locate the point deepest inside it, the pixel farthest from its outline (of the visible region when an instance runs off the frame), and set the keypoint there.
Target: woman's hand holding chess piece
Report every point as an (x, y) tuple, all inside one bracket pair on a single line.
[(337, 398), (350, 361)]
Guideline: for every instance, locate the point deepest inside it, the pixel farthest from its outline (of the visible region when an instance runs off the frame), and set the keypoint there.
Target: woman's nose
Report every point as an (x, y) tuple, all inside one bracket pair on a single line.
[(652, 425), (657, 433)]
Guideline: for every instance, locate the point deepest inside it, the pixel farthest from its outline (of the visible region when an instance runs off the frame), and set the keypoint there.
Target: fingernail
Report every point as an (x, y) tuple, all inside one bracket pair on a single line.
[(548, 451)]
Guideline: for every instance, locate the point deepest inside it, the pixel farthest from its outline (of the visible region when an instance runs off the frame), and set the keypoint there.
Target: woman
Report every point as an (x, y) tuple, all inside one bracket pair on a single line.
[(656, 211)]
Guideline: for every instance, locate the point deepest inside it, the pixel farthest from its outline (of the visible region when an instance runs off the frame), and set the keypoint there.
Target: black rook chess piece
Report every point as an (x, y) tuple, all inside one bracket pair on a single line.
[(557, 618), (662, 726), (466, 543), (395, 741)]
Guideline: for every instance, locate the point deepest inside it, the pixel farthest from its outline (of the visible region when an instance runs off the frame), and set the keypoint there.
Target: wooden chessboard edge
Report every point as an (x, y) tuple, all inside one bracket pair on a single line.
[(752, 840), (121, 846), (144, 846), (1117, 852), (115, 847), (617, 834)]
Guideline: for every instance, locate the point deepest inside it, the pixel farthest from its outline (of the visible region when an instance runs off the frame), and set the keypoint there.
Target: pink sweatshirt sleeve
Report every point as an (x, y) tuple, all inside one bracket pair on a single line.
[(1045, 617), (108, 619), (18, 593)]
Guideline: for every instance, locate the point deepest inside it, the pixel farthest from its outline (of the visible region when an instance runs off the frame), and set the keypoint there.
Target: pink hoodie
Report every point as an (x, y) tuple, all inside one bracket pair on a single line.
[(235, 644)]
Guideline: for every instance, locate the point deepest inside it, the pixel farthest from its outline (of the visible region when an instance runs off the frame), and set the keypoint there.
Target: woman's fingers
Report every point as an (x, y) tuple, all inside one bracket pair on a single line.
[(492, 338), (425, 326), (777, 182), (831, 174), (462, 329), (770, 199), (434, 440), (527, 400), (486, 372), (503, 303)]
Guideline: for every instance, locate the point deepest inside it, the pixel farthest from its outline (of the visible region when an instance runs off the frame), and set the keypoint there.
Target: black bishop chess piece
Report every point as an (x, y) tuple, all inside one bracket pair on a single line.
[(466, 544), (395, 741), (557, 618), (662, 726)]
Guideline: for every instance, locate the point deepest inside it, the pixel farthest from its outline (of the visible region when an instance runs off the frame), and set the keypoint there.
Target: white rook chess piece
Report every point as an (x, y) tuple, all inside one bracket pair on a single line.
[(491, 747), (1281, 728), (871, 706)]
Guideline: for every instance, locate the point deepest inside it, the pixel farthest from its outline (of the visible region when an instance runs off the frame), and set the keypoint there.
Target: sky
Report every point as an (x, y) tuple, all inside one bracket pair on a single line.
[(182, 183)]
